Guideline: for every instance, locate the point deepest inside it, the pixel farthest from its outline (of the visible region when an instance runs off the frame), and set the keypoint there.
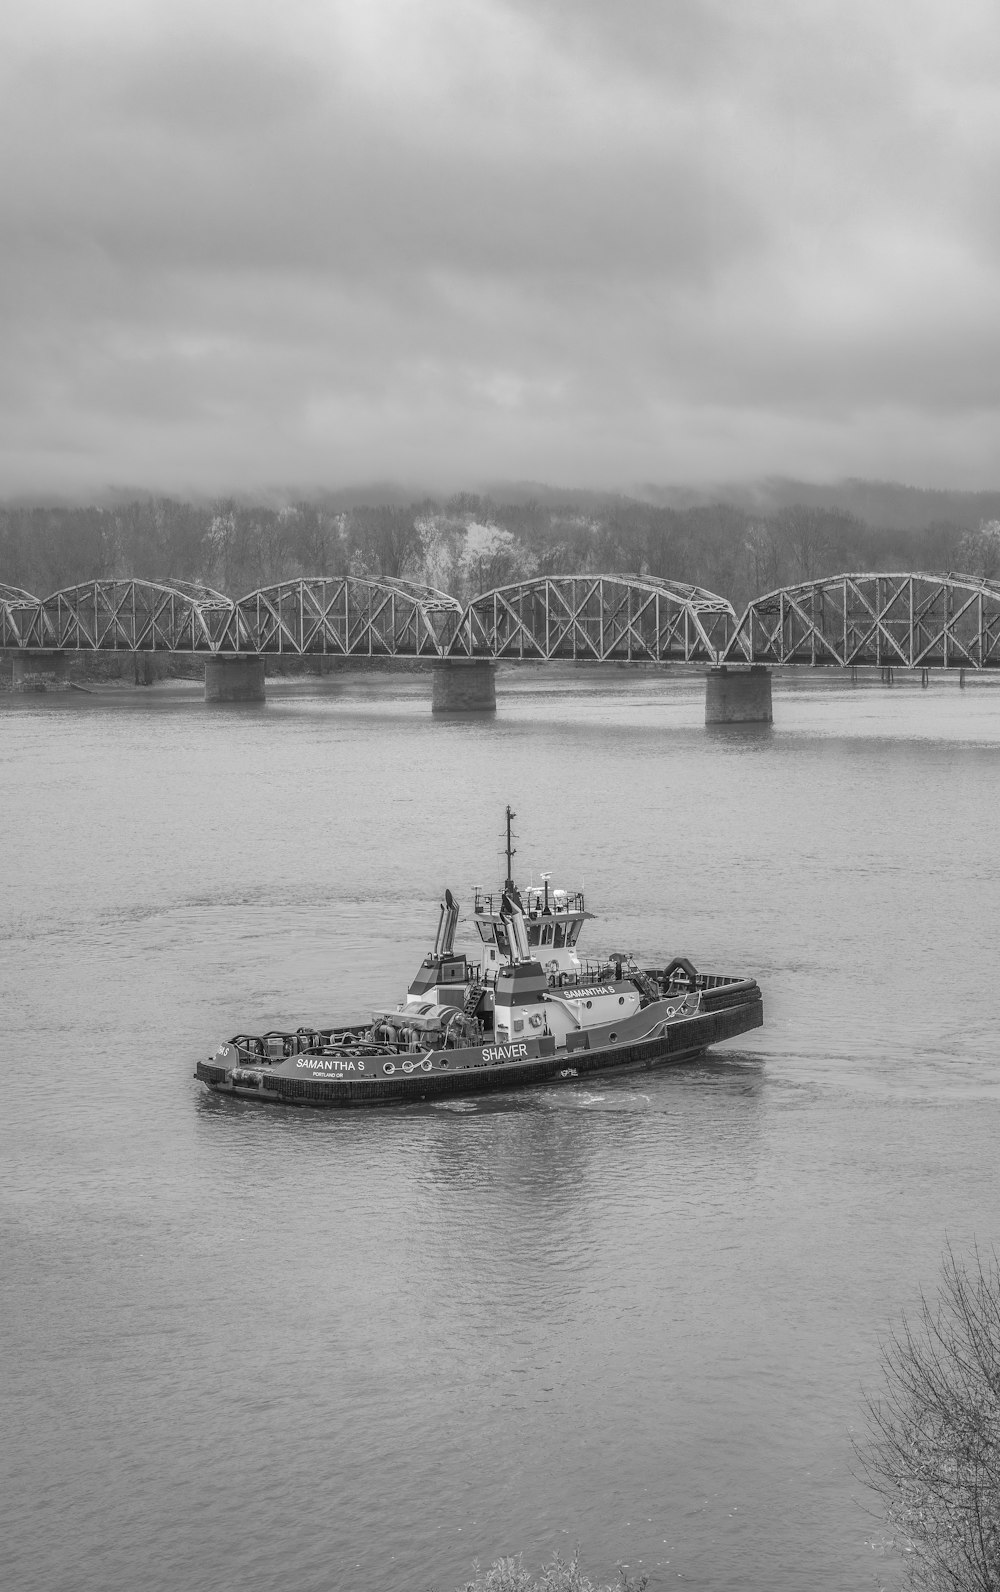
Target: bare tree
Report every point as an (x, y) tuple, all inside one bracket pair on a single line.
[(386, 538), (979, 551), (764, 556), (932, 1450)]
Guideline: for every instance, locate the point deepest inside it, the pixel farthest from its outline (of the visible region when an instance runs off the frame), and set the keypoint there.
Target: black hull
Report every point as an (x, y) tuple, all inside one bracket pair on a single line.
[(733, 1009)]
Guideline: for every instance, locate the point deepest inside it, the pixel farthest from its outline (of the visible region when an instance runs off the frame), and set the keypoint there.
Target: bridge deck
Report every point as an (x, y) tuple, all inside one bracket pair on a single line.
[(897, 620)]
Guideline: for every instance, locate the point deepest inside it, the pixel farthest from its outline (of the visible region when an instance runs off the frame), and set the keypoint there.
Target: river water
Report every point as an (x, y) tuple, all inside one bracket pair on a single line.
[(259, 1349)]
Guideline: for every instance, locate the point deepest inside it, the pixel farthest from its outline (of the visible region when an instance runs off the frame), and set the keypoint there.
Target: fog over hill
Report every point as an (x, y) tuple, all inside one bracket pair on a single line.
[(888, 504), (738, 542)]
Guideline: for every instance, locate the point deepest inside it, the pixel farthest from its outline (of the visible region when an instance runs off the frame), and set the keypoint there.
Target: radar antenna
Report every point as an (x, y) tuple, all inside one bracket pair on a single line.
[(511, 852)]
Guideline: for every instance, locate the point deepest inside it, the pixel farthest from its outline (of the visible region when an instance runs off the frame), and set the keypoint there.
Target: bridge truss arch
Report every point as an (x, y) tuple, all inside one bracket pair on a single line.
[(347, 616), (21, 619), (905, 621), (129, 615), (601, 618)]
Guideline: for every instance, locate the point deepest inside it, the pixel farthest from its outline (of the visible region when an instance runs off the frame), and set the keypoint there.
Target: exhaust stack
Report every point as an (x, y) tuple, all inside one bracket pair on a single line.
[(512, 914), (444, 943)]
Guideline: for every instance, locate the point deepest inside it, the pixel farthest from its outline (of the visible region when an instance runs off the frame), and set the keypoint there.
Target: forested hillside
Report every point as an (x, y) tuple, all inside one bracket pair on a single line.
[(469, 543)]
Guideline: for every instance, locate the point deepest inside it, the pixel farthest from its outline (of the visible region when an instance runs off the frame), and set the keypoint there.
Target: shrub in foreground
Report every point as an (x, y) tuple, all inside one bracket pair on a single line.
[(932, 1451), (560, 1575)]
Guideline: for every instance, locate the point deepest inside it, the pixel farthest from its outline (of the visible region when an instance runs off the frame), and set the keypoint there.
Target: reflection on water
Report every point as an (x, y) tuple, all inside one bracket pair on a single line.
[(261, 1349)]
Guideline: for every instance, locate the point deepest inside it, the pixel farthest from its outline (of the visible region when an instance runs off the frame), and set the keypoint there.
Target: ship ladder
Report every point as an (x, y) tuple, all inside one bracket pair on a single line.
[(472, 999)]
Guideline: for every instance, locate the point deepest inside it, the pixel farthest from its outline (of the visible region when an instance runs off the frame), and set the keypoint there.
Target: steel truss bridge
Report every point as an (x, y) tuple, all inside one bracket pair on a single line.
[(904, 621), (602, 618)]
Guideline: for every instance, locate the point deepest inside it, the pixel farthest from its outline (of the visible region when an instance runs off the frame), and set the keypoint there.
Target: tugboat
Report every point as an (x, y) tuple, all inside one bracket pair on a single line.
[(530, 1012)]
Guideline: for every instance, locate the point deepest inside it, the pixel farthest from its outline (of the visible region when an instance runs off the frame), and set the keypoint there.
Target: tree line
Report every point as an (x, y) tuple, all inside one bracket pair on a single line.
[(470, 543)]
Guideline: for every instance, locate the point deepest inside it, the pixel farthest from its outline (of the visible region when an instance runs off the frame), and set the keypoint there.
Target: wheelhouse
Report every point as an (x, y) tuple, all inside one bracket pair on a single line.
[(553, 919)]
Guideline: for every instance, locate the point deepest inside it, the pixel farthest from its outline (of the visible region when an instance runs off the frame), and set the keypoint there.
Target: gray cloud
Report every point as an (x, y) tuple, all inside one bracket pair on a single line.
[(311, 243)]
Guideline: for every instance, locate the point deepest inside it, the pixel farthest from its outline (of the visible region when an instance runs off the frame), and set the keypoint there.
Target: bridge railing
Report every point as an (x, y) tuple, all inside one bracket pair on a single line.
[(883, 619)]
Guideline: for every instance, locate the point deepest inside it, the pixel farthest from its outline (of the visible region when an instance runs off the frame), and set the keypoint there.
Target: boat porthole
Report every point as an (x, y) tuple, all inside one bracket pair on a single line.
[(670, 1011), (589, 1005), (612, 1036), (388, 1067), (621, 1000)]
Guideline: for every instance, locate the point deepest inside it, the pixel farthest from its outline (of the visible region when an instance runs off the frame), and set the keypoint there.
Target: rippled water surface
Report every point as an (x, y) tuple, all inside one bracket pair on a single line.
[(268, 1349)]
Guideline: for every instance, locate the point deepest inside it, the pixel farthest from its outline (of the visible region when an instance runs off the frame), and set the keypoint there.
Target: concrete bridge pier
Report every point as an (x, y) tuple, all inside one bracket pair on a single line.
[(37, 671), (234, 679), (143, 668), (464, 685), (738, 696)]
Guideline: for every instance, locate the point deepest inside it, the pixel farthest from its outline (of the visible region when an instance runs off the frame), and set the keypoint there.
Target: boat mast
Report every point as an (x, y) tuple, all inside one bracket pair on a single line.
[(511, 853)]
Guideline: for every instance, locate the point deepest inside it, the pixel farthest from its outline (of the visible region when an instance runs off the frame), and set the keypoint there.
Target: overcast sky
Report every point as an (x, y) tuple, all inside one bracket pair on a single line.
[(588, 242)]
